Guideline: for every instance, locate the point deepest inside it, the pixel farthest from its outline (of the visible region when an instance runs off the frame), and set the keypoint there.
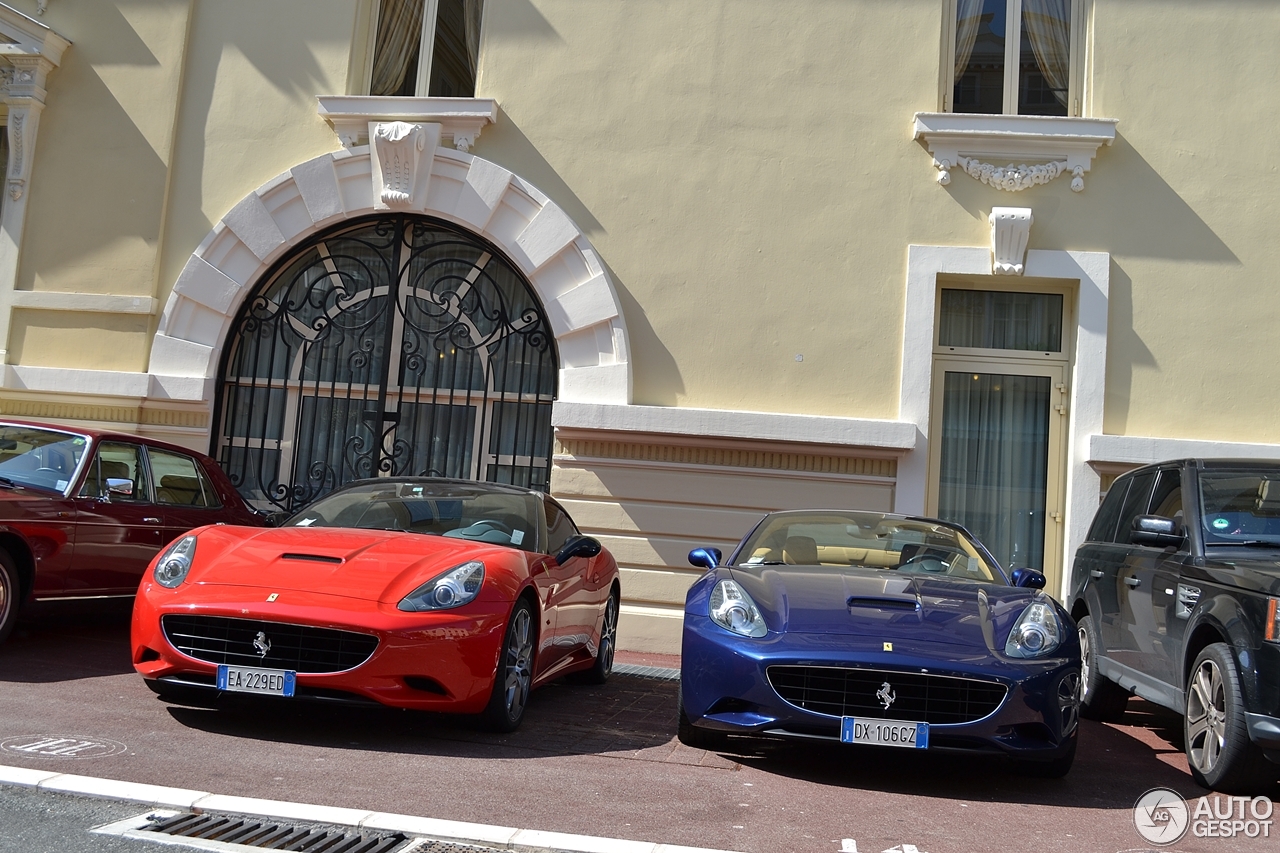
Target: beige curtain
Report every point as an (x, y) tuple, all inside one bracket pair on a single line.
[(473, 12), (396, 48), (1047, 24), (968, 17)]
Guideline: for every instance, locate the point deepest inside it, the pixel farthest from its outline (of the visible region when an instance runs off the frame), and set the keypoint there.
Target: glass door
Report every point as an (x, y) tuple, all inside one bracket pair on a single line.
[(996, 456)]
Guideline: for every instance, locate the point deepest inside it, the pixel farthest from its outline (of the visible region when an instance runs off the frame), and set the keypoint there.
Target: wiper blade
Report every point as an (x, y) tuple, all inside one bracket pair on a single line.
[(1248, 543), (10, 484)]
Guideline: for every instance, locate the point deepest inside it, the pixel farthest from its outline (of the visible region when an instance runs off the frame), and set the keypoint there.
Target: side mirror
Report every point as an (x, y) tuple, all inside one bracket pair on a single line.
[(1028, 578), (1156, 531), (705, 558), (120, 486), (276, 518), (578, 546)]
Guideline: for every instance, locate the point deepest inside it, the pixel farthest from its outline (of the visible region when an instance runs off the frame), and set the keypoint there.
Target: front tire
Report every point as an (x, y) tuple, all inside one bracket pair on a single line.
[(600, 671), (1218, 748), (10, 595), (1055, 769), (1100, 697), (513, 681)]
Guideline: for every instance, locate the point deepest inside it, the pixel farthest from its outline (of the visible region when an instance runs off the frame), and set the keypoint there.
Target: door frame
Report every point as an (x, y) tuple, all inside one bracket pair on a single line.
[(1055, 472)]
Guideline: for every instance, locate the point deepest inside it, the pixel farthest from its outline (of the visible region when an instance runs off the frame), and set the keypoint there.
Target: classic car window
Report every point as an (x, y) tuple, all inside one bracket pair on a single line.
[(116, 473), (1135, 504), (559, 527), (453, 510), (1103, 528), (1240, 506), (180, 480), (865, 540), (45, 459)]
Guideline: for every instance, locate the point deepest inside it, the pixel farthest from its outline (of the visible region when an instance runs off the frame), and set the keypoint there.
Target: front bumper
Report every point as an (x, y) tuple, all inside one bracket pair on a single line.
[(442, 661), (725, 687)]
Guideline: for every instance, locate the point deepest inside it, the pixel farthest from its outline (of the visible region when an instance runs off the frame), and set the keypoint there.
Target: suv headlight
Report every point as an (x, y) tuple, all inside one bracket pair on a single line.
[(1036, 633), (733, 610), (454, 588), (175, 562)]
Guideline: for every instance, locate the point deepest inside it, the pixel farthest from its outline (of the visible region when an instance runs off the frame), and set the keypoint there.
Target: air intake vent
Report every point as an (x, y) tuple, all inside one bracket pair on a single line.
[(302, 648), (314, 558)]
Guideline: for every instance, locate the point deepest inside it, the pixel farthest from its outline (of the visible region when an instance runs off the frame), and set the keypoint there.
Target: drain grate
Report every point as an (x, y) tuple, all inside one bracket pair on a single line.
[(266, 834)]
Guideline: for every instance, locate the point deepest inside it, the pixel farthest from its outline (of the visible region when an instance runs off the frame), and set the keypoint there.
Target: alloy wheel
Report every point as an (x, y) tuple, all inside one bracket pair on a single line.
[(608, 636), (1206, 717), (1070, 689), (519, 654), (1085, 671)]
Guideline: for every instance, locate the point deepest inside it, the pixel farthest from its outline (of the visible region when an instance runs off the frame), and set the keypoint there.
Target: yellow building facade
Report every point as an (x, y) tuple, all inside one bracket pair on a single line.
[(968, 258)]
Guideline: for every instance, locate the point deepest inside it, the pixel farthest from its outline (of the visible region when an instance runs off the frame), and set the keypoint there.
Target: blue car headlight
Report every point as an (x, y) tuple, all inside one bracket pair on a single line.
[(1036, 633), (175, 562), (456, 587), (732, 609)]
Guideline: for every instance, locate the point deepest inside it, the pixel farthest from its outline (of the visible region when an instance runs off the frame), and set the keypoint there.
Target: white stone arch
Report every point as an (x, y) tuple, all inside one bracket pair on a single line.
[(535, 234)]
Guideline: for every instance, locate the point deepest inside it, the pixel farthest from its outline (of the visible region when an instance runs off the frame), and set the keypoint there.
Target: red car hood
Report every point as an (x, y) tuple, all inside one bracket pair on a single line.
[(372, 565)]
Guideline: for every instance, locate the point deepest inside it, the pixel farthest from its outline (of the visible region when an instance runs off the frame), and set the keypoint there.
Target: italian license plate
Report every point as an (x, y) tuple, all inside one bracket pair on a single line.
[(884, 732), (248, 679)]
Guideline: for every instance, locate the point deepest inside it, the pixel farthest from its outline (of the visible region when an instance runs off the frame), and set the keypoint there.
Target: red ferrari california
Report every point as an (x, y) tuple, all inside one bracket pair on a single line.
[(430, 594)]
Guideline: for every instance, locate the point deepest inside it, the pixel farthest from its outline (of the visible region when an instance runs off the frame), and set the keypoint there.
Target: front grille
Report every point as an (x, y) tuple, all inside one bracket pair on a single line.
[(916, 697), (217, 639)]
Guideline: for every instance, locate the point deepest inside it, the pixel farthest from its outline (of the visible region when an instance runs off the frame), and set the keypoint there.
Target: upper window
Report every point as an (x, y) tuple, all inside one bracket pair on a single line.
[(180, 480), (427, 48), (1015, 57)]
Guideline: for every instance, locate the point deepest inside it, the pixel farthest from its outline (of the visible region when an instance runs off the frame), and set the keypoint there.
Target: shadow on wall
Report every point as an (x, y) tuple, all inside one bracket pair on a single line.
[(1126, 209), (1120, 323), (517, 20)]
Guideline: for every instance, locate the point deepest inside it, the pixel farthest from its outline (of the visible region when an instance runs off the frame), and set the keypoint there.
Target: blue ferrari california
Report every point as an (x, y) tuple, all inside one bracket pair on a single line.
[(879, 630)]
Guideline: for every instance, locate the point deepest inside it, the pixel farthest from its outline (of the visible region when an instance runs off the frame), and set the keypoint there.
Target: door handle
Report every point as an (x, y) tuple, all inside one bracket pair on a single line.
[(1095, 573), (1133, 582), (150, 520)]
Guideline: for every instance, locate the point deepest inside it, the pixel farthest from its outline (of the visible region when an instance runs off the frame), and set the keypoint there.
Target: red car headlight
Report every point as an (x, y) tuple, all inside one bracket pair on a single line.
[(454, 588), (175, 562)]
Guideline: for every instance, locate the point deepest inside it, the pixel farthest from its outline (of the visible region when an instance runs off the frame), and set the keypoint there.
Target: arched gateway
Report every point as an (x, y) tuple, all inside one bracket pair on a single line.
[(344, 329), (395, 345)]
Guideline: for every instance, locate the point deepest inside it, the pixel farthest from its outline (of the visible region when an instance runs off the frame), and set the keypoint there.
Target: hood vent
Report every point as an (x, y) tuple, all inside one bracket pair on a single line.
[(314, 558), (877, 602)]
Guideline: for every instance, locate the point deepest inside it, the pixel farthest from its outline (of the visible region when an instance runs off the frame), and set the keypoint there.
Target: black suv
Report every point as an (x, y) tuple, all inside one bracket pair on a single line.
[(1175, 596)]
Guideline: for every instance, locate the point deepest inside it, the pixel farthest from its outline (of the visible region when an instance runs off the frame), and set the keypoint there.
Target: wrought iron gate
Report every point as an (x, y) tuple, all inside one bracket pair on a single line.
[(391, 346)]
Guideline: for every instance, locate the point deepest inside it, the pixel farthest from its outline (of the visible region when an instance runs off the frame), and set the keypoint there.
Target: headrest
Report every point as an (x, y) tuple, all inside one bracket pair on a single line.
[(1268, 501), (800, 551)]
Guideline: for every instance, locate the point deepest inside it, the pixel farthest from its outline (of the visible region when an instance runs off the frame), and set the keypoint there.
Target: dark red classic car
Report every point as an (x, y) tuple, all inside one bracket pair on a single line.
[(83, 512)]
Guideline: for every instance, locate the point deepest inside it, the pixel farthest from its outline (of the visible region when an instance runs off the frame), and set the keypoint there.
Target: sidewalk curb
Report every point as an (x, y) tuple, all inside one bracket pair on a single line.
[(501, 837)]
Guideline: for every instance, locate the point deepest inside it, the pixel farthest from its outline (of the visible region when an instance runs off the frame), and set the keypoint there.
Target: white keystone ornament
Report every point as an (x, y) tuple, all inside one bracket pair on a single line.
[(403, 154)]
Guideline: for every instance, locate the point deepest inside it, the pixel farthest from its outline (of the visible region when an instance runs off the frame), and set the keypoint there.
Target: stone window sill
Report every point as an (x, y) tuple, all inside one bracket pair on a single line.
[(460, 119), (1010, 152)]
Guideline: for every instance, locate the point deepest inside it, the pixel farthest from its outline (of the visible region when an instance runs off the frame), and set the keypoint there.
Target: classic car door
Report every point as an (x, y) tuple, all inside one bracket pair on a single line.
[(118, 526), (183, 492)]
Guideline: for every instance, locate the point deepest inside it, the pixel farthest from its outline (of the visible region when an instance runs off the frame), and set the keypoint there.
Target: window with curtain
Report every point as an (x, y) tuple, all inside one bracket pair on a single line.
[(426, 48), (1013, 56)]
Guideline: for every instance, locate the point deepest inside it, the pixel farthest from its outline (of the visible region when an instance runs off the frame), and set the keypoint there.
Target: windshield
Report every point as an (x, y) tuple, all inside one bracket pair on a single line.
[(43, 458), (865, 540), (456, 510), (1240, 506)]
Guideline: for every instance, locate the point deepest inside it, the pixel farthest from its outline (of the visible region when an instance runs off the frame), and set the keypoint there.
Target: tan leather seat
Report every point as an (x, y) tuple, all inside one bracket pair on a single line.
[(800, 551)]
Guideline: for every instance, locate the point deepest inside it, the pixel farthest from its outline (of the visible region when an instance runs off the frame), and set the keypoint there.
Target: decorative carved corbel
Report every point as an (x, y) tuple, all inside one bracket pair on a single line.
[(1010, 228), (403, 153)]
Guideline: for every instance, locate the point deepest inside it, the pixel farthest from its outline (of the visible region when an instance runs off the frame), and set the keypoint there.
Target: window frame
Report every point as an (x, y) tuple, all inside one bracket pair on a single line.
[(360, 76), (1081, 14)]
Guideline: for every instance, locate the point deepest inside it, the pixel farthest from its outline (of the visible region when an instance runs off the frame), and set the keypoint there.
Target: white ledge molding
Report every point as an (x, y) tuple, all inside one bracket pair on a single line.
[(996, 149), (895, 436), (460, 119)]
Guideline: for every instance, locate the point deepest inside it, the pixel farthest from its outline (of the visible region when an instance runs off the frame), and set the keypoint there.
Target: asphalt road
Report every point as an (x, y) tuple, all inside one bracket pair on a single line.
[(589, 760)]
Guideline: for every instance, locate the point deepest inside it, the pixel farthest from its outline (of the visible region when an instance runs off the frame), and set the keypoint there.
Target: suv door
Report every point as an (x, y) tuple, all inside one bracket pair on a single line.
[(1168, 621), (1119, 574)]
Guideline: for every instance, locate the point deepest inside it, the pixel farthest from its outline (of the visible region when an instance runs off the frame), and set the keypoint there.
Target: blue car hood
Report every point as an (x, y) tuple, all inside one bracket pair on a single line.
[(884, 605)]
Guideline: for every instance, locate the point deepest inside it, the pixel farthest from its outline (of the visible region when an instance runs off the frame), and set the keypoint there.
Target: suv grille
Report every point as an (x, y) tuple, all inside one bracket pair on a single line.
[(217, 639), (917, 698)]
